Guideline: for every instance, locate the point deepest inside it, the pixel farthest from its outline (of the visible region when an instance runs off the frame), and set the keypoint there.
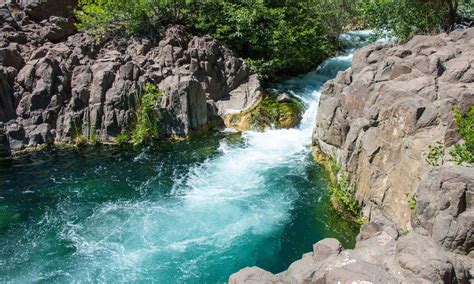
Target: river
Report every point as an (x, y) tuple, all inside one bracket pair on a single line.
[(188, 212)]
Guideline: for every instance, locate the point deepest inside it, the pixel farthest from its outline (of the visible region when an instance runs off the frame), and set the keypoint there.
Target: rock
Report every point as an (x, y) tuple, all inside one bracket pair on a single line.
[(284, 98), (43, 9), (79, 86), (422, 260), (251, 275), (11, 57), (378, 118), (325, 248), (7, 100), (59, 29), (7, 18), (445, 207)]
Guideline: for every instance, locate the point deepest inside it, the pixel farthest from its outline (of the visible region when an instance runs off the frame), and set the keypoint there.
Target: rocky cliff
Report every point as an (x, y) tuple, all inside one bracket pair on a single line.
[(57, 83), (376, 120)]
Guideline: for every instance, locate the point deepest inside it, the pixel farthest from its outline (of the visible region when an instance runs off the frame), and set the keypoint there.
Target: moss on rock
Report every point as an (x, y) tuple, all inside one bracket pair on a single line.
[(268, 112)]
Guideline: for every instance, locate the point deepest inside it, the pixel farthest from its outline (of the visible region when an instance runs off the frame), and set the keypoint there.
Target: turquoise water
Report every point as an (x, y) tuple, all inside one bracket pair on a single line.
[(187, 212)]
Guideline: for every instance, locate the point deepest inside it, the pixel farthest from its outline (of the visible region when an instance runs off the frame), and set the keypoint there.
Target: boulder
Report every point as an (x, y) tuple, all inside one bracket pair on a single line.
[(59, 29), (284, 98), (43, 9), (423, 261), (253, 275), (445, 207)]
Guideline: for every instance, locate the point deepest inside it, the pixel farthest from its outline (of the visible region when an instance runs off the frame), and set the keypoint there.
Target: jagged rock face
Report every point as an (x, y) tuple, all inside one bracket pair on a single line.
[(377, 120), (378, 117), (445, 208), (57, 83), (381, 255)]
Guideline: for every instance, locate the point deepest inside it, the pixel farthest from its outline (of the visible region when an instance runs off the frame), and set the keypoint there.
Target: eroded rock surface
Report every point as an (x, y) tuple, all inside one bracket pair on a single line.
[(377, 120), (57, 83), (378, 117)]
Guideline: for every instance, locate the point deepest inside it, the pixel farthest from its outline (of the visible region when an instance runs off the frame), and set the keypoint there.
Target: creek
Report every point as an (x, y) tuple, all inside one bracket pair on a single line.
[(192, 211)]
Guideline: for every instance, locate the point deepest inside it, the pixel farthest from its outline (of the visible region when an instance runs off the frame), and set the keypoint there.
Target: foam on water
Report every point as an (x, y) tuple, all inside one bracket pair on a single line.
[(216, 219)]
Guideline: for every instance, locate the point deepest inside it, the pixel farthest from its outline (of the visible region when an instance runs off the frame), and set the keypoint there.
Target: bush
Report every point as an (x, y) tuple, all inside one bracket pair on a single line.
[(411, 200), (282, 37), (276, 37), (146, 128), (406, 18), (122, 138)]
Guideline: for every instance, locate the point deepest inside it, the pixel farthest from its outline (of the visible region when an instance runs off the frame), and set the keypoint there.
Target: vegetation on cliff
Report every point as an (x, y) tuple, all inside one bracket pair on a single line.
[(464, 152), (276, 37), (461, 152), (146, 128), (342, 194)]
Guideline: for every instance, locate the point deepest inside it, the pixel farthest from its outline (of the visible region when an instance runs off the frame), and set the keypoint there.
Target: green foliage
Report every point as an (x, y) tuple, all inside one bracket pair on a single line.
[(411, 202), (122, 138), (342, 195), (133, 17), (406, 18), (146, 128), (281, 37), (276, 37), (464, 153), (93, 139), (434, 157)]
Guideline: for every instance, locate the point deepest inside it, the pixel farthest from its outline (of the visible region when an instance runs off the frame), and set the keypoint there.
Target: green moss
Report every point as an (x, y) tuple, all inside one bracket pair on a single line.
[(269, 113)]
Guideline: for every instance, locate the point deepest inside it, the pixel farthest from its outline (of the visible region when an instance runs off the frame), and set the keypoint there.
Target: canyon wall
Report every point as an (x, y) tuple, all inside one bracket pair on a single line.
[(377, 120)]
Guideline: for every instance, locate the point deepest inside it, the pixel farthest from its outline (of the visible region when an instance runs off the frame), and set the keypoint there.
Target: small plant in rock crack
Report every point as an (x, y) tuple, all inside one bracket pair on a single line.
[(146, 128), (464, 153), (411, 199), (434, 156)]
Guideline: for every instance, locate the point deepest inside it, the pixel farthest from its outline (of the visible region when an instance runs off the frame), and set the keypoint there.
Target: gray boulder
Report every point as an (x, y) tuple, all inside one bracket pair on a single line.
[(445, 207), (284, 98)]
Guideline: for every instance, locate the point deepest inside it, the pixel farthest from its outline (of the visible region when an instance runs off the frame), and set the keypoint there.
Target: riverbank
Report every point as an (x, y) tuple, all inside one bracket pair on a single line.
[(390, 124)]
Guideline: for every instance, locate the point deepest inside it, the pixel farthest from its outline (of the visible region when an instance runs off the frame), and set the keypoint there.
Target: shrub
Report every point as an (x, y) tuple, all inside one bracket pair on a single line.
[(342, 195), (146, 128), (464, 153), (406, 18)]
